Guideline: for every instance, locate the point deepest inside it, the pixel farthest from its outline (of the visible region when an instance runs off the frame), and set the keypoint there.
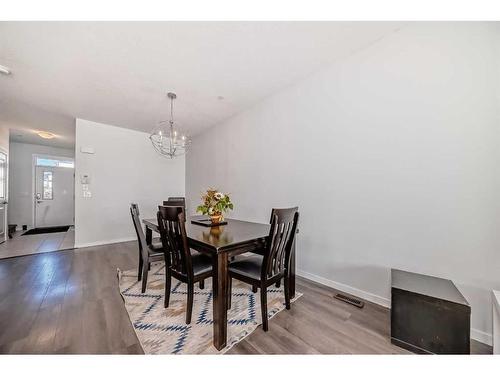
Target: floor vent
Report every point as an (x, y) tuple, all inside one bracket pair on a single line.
[(350, 300)]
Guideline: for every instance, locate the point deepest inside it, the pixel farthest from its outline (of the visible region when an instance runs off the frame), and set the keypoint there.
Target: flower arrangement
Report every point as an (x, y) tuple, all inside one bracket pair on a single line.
[(215, 204)]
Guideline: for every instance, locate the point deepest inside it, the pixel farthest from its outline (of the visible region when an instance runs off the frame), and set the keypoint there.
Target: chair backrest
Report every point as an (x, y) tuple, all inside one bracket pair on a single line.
[(280, 241), (176, 201), (141, 238), (174, 239)]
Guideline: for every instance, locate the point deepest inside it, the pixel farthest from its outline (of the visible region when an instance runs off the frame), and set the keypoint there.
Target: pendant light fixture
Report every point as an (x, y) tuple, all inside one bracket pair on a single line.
[(167, 138)]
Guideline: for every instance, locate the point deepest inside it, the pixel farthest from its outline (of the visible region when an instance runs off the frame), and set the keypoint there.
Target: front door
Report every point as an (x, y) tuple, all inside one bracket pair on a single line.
[(3, 195), (54, 196)]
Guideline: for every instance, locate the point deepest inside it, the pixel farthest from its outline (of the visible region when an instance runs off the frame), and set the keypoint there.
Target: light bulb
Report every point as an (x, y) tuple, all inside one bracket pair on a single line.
[(45, 135)]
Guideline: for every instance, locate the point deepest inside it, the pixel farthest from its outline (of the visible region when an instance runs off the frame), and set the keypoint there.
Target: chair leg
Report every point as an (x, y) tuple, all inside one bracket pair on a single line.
[(229, 292), (202, 284), (287, 292), (144, 278), (139, 273), (254, 289), (168, 286), (278, 283), (263, 307), (189, 308)]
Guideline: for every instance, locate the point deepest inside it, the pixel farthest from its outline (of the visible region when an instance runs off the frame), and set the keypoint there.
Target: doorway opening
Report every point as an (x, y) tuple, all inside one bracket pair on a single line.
[(41, 209)]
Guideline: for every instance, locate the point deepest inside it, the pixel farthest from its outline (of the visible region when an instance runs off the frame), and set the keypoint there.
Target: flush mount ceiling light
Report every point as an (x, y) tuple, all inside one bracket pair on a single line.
[(167, 138), (4, 70), (45, 135)]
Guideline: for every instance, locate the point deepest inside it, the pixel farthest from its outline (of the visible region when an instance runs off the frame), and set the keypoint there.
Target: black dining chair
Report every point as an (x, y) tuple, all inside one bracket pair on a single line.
[(176, 201), (263, 271), (181, 263), (147, 253)]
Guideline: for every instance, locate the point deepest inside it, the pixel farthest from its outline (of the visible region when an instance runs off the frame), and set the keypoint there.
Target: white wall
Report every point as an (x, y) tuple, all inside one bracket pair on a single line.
[(124, 168), (4, 136), (20, 179), (392, 155)]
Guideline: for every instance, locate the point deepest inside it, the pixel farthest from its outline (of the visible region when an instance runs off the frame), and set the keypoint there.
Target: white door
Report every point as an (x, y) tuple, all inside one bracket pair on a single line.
[(3, 195), (54, 196)]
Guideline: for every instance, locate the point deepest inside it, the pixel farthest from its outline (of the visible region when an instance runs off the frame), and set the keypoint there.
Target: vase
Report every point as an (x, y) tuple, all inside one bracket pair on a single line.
[(216, 219)]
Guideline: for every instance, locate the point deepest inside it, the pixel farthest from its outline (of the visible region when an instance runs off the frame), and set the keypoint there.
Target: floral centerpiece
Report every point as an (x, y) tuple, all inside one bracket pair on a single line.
[(215, 204)]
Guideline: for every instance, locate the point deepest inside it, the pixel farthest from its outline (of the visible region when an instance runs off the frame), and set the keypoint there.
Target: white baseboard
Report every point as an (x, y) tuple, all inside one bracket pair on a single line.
[(484, 337), (367, 296), (476, 334), (104, 242)]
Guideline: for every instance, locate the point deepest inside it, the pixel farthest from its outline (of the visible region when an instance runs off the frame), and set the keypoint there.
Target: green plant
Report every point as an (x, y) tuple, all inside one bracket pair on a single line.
[(214, 203)]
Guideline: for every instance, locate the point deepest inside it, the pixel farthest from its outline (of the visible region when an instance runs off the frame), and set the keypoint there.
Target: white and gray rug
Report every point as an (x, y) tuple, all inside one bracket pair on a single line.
[(164, 331)]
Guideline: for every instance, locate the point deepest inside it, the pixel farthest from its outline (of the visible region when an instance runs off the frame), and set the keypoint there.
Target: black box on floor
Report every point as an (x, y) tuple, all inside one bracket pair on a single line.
[(428, 314)]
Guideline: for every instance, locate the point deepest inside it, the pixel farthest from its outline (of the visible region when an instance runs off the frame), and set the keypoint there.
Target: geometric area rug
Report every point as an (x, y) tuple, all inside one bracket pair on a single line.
[(164, 331)]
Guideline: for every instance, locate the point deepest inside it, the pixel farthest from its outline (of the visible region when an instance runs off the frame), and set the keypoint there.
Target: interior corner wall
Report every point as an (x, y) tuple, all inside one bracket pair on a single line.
[(122, 169), (392, 155)]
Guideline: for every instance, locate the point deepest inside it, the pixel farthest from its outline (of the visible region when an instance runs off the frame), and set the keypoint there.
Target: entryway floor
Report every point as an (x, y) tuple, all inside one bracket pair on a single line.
[(37, 243)]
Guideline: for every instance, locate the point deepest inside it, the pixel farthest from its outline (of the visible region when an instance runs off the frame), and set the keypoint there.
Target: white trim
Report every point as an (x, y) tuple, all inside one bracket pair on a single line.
[(347, 289), (496, 321), (6, 198), (484, 337), (104, 242)]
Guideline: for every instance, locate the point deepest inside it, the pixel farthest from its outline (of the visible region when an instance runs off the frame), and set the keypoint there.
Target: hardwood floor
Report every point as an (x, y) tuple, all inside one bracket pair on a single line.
[(68, 302), (37, 243)]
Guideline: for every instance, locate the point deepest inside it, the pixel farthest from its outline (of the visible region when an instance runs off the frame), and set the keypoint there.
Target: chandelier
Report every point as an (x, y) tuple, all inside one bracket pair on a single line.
[(166, 138)]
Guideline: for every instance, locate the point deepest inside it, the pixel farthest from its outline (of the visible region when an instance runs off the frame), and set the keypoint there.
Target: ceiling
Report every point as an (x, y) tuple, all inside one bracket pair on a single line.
[(25, 120), (119, 72)]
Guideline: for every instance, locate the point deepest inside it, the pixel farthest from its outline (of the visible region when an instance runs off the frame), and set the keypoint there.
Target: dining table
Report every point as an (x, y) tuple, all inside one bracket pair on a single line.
[(223, 242)]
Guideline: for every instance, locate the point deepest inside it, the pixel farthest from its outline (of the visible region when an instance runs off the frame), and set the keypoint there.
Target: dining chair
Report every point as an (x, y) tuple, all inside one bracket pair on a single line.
[(181, 263), (147, 253), (175, 201), (262, 271)]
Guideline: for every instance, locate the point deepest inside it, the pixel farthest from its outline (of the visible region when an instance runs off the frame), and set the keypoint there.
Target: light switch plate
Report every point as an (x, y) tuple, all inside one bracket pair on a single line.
[(87, 150)]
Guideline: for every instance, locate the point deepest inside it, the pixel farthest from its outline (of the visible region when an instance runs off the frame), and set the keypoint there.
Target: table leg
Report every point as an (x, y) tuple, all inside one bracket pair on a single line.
[(219, 300), (149, 235), (292, 271)]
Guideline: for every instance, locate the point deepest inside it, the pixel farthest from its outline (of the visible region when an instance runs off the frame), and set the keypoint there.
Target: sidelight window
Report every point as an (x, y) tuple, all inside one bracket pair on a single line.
[(47, 185)]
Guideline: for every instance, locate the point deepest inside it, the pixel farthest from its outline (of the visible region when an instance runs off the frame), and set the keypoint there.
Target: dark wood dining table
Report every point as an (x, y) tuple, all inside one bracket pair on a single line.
[(221, 243)]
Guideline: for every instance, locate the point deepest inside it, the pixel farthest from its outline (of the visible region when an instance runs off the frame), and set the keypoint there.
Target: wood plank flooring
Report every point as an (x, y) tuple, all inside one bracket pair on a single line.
[(68, 302), (37, 243)]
